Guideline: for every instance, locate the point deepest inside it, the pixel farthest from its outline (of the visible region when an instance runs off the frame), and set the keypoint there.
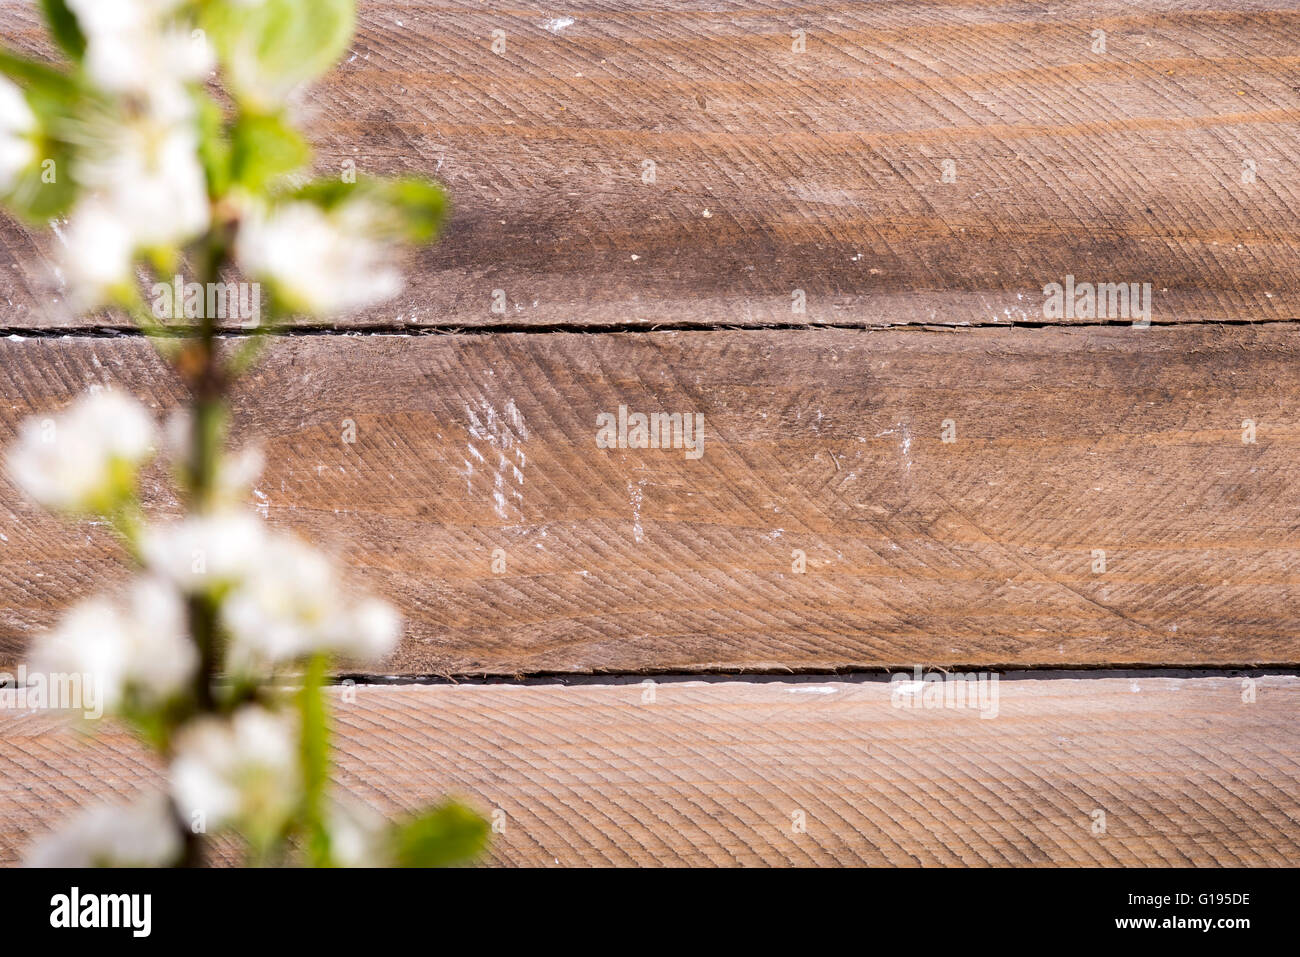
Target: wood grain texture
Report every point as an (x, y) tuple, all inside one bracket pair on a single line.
[(826, 441), (1186, 773), (819, 170)]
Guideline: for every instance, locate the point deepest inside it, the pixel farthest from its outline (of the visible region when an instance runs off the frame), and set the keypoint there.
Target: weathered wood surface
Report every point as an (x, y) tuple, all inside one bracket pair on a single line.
[(827, 441), (818, 170), (1185, 772)]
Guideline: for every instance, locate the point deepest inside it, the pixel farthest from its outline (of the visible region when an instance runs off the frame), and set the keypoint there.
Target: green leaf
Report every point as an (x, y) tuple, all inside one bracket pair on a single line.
[(419, 206), (45, 190), (38, 77), (328, 194), (263, 149), (447, 835), (411, 208), (314, 755), (65, 29), (214, 148), (271, 47)]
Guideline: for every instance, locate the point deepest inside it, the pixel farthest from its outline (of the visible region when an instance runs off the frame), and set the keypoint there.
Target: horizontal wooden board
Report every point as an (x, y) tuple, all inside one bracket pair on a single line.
[(1184, 771), (829, 442), (819, 171)]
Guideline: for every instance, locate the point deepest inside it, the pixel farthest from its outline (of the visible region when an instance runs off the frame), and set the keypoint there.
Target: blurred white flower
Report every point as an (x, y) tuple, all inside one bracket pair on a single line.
[(88, 456), (150, 175), (97, 250), (16, 125), (322, 264), (370, 631), (243, 771), (131, 47), (358, 836), (292, 605), (281, 599), (282, 609), (204, 552), (145, 189), (143, 834), (177, 436), (141, 652)]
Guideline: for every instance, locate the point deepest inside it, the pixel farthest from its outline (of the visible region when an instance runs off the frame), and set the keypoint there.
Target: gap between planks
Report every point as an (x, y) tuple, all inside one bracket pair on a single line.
[(621, 328), (569, 679)]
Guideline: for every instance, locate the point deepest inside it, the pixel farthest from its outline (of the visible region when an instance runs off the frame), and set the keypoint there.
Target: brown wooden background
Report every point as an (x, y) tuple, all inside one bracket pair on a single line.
[(777, 171)]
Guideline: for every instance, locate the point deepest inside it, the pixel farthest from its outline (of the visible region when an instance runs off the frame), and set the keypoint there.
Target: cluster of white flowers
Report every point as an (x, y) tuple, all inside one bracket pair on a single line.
[(145, 187), (278, 600), (132, 48), (141, 651), (17, 122), (203, 552), (242, 771), (281, 599), (217, 594), (140, 835), (80, 461), (320, 263)]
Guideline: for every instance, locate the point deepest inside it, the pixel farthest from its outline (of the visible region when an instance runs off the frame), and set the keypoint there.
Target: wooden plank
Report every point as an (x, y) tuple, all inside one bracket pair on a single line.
[(819, 170), (979, 551), (1184, 770)]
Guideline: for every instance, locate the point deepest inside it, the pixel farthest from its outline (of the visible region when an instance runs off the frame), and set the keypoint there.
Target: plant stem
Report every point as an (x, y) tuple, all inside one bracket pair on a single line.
[(314, 745), (200, 366)]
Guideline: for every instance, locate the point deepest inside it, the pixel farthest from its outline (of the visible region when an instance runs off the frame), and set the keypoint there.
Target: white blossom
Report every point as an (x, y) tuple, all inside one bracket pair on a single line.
[(292, 605), (17, 122), (145, 189), (132, 48), (141, 650), (358, 836), (205, 551), (150, 175), (280, 611), (241, 771), (371, 631), (282, 600), (81, 460), (97, 251), (322, 264), (143, 834)]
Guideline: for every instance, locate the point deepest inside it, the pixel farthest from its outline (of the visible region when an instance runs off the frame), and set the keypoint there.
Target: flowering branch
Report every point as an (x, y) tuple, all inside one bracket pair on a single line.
[(152, 182)]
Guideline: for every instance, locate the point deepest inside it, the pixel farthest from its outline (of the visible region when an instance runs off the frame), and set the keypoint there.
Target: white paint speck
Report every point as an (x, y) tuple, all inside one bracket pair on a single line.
[(634, 495)]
